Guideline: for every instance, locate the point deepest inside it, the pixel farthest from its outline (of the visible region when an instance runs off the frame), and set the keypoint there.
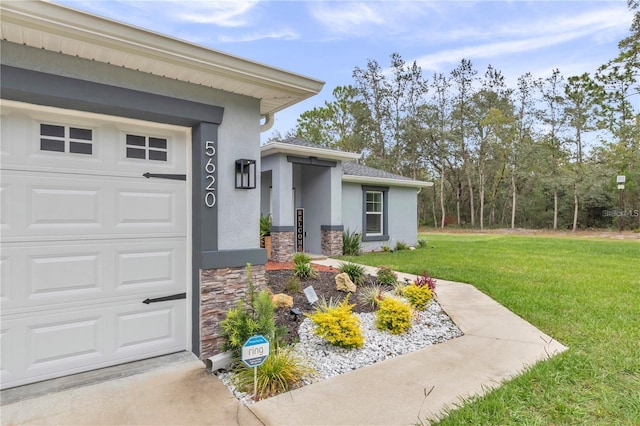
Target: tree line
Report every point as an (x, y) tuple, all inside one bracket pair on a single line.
[(544, 153)]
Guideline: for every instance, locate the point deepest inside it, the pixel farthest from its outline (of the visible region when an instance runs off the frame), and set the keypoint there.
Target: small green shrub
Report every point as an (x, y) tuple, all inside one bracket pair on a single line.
[(422, 243), (386, 276), (300, 257), (339, 326), (351, 243), (254, 314), (265, 225), (302, 266), (280, 372), (401, 245), (355, 272), (370, 295), (393, 315), (304, 271), (418, 296), (293, 286), (386, 249)]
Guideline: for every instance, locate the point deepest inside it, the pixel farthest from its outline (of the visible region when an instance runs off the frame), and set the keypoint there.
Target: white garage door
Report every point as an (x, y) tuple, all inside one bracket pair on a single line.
[(86, 239)]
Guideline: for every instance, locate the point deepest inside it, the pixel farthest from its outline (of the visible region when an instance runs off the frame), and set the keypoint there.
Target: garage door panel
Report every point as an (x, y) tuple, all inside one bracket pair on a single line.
[(51, 206), (8, 351), (78, 273), (5, 211), (145, 268), (64, 341), (21, 136), (5, 279), (144, 328), (68, 273), (67, 206), (67, 341), (145, 208), (152, 269)]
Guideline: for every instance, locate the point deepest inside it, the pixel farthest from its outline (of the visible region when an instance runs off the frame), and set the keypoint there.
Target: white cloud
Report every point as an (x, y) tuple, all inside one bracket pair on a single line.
[(285, 34), (222, 13), (364, 18), (346, 17), (534, 36)]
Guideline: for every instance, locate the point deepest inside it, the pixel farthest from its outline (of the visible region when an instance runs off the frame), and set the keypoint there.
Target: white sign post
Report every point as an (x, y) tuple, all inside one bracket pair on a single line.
[(254, 351)]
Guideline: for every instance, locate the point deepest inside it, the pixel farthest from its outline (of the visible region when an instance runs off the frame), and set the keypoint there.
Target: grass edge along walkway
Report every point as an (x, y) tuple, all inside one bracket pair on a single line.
[(583, 292)]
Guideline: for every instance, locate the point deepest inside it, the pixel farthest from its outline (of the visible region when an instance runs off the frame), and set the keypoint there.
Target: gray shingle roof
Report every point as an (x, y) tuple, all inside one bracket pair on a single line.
[(354, 169), (301, 142)]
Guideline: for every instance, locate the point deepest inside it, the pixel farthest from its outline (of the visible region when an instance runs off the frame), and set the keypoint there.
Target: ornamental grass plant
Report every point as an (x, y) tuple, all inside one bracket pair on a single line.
[(281, 371)]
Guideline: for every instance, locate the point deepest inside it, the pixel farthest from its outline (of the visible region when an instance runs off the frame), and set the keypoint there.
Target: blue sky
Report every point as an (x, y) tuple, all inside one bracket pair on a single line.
[(326, 40)]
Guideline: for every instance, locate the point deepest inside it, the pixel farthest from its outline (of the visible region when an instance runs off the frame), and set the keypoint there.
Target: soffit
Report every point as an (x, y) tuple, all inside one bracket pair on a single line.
[(64, 30), (306, 151)]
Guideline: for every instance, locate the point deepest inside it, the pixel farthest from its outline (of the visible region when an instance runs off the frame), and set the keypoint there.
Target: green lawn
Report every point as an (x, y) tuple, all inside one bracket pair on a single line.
[(584, 293)]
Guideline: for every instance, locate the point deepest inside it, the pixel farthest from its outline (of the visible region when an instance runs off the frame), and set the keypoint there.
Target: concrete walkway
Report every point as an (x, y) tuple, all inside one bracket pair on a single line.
[(497, 345)]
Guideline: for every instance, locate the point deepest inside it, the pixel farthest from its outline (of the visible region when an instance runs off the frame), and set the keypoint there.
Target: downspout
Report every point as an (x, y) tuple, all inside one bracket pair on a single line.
[(268, 122)]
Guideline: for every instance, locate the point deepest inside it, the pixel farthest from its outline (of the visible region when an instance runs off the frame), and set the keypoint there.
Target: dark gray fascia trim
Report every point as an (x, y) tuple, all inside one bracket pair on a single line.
[(311, 161), (283, 228), (233, 258), (375, 238), (375, 188), (332, 227), (64, 92)]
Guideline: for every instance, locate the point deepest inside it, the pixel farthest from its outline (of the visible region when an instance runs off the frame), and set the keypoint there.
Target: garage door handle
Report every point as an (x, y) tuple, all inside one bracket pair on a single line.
[(164, 299), (164, 176)]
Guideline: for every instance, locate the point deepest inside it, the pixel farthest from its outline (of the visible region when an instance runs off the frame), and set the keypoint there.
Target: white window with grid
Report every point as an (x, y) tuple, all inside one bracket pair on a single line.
[(374, 213)]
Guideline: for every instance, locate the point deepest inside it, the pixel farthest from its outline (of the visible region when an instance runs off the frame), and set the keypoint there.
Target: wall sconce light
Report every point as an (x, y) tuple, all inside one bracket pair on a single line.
[(245, 174)]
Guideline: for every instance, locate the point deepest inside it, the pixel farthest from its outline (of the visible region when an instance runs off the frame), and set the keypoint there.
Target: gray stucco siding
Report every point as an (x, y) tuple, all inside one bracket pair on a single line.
[(238, 209), (402, 215)]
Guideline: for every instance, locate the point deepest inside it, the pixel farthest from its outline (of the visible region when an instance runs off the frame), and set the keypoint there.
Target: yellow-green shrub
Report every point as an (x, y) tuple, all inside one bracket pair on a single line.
[(338, 325), (393, 315), (418, 296)]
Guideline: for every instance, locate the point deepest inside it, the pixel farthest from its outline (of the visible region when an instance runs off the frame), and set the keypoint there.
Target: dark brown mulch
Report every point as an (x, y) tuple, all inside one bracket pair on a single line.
[(324, 284)]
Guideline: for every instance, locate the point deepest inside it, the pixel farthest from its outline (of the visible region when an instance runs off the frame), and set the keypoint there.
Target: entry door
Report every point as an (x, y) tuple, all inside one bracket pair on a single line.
[(86, 239)]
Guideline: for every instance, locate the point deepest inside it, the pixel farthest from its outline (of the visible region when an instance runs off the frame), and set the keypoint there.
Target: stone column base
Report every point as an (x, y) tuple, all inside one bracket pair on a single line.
[(282, 246), (220, 290), (331, 240)]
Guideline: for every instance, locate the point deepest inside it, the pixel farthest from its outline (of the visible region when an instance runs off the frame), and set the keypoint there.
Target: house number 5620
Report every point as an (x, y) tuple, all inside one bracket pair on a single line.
[(209, 179)]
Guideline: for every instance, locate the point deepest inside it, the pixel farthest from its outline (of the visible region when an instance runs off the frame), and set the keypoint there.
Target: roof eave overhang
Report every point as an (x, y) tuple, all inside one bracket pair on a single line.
[(60, 29), (306, 151), (386, 181)]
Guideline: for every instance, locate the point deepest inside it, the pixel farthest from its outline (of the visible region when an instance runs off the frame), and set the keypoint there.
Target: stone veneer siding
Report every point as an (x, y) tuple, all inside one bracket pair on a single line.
[(220, 290), (331, 242), (282, 246)]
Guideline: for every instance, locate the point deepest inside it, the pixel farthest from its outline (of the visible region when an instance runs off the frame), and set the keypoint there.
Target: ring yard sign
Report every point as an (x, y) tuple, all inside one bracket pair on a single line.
[(255, 351)]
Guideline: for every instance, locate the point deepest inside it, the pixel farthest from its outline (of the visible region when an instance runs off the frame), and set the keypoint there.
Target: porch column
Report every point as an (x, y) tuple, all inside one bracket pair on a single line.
[(282, 228), (331, 239)]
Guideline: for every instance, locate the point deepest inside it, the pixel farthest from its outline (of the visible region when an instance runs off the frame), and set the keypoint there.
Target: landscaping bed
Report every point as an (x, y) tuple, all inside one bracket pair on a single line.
[(279, 277), (429, 326)]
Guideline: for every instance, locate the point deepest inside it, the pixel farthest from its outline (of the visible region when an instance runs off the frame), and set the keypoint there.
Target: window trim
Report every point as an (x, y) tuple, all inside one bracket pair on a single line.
[(384, 236)]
